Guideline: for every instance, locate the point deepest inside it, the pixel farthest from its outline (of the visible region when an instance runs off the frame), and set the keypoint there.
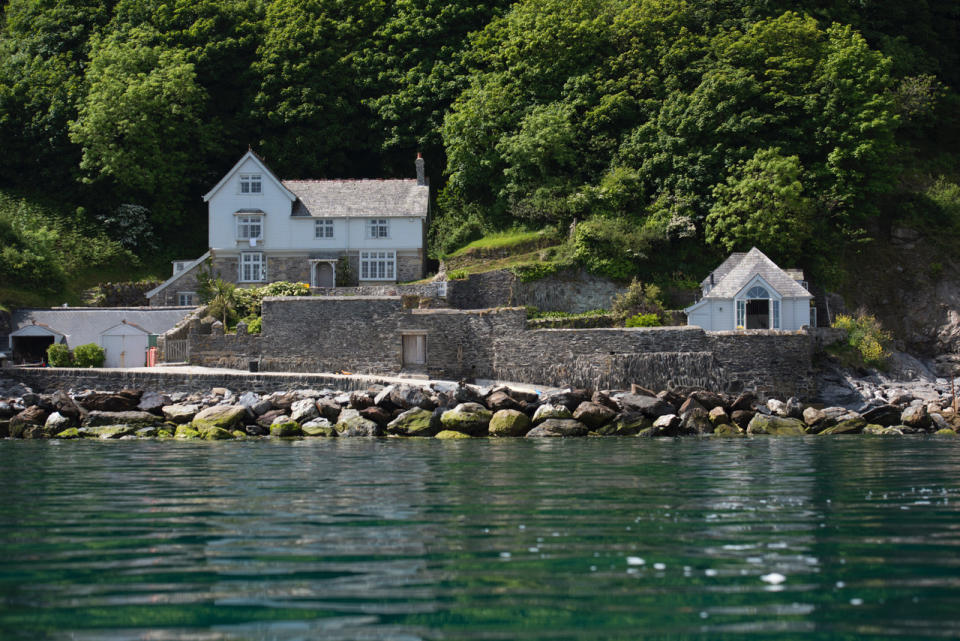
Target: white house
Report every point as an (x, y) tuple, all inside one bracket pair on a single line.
[(262, 229), (749, 291)]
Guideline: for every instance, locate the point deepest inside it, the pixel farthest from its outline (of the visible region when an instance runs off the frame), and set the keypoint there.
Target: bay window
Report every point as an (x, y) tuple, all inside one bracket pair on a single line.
[(249, 227)]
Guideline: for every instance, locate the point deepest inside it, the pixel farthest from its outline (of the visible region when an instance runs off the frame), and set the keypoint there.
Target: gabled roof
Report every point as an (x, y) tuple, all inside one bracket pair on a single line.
[(250, 155), (751, 264), (345, 198), (162, 286), (82, 325)]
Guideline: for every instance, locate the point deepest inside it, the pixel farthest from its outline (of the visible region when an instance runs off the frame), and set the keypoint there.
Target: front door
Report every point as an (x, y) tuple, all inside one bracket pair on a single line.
[(324, 275), (758, 314), (414, 350)]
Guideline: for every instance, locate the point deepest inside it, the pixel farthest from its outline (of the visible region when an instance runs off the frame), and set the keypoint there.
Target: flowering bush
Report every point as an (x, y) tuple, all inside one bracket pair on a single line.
[(866, 337)]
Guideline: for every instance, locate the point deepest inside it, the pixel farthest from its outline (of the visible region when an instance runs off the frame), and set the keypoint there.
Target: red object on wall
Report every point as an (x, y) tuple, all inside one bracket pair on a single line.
[(151, 357)]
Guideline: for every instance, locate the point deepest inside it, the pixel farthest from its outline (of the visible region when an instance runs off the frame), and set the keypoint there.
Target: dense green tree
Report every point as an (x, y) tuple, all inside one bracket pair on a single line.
[(763, 204), (140, 122)]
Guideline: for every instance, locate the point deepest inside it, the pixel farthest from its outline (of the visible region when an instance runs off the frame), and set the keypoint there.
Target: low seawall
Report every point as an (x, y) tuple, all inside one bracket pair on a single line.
[(49, 379)]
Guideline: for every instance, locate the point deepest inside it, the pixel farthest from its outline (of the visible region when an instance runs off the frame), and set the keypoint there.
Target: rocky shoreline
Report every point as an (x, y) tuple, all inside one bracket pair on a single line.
[(450, 410)]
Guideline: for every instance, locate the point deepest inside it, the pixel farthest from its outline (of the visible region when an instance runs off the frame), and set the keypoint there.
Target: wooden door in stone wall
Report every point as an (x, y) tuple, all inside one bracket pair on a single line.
[(414, 350), (324, 276)]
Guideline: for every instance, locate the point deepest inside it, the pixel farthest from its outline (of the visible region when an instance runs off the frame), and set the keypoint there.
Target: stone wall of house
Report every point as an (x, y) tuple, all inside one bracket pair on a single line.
[(409, 266), (293, 269), (225, 267), (572, 291), (365, 335)]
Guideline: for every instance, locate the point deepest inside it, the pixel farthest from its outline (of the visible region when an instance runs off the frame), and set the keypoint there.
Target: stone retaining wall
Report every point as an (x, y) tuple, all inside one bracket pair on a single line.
[(572, 291), (366, 334)]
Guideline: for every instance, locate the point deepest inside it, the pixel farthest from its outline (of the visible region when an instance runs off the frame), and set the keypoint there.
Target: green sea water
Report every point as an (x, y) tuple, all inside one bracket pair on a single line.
[(606, 538)]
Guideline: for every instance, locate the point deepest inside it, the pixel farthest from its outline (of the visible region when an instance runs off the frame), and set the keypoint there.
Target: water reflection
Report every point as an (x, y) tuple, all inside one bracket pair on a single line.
[(499, 539)]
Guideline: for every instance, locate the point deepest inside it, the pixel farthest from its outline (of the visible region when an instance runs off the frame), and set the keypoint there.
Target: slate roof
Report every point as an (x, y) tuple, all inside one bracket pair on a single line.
[(363, 198), (723, 269), (740, 272), (82, 325)]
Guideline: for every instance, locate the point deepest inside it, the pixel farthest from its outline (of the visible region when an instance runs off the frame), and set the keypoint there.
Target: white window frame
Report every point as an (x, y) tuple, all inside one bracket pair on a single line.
[(190, 298), (245, 223), (323, 228), (251, 184), (378, 228), (378, 265), (256, 270)]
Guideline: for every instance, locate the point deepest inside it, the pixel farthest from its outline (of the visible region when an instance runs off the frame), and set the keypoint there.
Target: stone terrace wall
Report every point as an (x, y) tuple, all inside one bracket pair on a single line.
[(572, 291), (425, 290), (677, 358), (359, 334)]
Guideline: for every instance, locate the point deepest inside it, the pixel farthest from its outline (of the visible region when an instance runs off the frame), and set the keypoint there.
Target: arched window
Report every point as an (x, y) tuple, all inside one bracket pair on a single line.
[(758, 292)]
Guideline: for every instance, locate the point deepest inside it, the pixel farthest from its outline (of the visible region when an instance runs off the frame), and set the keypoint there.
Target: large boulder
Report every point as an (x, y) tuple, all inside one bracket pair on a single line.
[(469, 418), (359, 400), (416, 421), (122, 401), (6, 410), (593, 415), (450, 434), (650, 406), (266, 419), (285, 429), (328, 409), (509, 423), (707, 398), (848, 426), (625, 424), (558, 427), (303, 410), (501, 400), (776, 426), (227, 417), (319, 427), (66, 406), (186, 432), (916, 416), (548, 411), (108, 431), (153, 402), (57, 422), (569, 398), (408, 396), (180, 414), (696, 422), (727, 430), (664, 425), (282, 400), (884, 415), (352, 424), (216, 434), (69, 433), (377, 414), (134, 418), (34, 416)]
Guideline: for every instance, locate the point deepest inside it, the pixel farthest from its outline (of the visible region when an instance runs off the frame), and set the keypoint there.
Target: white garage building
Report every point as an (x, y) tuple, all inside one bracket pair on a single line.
[(749, 291)]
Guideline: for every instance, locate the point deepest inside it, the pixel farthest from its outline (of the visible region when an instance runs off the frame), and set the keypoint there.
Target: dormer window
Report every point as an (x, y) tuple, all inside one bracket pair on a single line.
[(249, 227), (250, 183)]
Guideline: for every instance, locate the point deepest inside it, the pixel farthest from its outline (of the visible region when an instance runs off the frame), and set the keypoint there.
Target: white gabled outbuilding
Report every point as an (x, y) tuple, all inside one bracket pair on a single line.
[(749, 291), (125, 345)]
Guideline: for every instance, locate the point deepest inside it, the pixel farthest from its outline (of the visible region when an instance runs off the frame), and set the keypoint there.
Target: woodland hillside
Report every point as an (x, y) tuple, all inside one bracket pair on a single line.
[(670, 131)]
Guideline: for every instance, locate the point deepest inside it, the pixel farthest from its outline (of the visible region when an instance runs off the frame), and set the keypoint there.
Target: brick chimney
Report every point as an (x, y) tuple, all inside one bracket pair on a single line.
[(421, 172)]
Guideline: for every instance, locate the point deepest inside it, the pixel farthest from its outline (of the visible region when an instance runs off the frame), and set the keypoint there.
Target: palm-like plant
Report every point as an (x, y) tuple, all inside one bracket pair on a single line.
[(223, 299)]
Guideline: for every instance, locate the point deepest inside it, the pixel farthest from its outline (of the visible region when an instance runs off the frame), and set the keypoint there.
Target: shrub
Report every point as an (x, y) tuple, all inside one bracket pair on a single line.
[(644, 320), (255, 325), (89, 355), (866, 337), (637, 300), (344, 272), (612, 247), (58, 355), (457, 274)]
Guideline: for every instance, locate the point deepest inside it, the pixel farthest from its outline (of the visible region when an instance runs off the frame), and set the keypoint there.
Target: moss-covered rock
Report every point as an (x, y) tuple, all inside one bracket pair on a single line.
[(450, 434), (285, 429), (164, 433), (352, 424), (849, 426), (185, 432), (70, 432), (625, 425), (545, 412), (776, 426), (945, 432), (216, 434), (509, 423), (226, 417), (319, 427), (414, 422), (468, 418), (108, 431), (148, 432), (727, 429)]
